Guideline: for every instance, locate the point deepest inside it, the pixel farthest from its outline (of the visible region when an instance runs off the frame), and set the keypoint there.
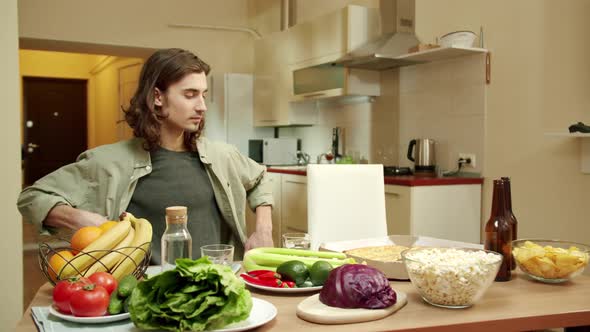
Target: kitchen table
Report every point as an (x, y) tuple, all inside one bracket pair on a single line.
[(517, 305)]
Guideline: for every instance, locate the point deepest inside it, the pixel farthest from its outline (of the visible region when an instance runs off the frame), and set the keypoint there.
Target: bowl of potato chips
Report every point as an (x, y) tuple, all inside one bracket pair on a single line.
[(550, 261)]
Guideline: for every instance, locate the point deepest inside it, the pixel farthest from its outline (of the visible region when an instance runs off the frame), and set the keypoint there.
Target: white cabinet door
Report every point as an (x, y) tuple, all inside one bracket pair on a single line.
[(446, 212), (273, 84), (294, 203), (397, 209), (330, 36)]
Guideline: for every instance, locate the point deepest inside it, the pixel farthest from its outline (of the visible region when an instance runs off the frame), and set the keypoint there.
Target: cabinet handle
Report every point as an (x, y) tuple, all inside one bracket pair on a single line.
[(295, 230), (314, 95)]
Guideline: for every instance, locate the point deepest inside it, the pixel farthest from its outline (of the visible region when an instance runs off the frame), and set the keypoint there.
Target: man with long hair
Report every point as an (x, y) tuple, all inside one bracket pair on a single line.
[(167, 163)]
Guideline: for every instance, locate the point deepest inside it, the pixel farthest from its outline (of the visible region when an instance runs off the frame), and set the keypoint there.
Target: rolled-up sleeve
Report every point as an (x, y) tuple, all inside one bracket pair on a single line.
[(67, 185), (255, 180)]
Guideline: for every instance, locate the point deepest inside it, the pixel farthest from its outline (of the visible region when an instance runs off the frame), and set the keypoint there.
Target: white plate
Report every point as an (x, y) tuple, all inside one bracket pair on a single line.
[(283, 290), (262, 313), (88, 320)]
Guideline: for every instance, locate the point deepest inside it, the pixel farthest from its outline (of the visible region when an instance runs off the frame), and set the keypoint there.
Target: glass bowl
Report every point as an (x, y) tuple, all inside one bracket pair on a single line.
[(550, 261), (451, 277)]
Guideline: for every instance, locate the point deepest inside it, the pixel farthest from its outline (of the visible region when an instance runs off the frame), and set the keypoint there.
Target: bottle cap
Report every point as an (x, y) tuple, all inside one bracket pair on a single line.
[(176, 213)]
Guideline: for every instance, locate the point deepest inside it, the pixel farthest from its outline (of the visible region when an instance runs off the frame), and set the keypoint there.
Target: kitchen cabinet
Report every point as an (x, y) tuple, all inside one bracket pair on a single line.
[(450, 212), (273, 85), (326, 81), (332, 35), (294, 203)]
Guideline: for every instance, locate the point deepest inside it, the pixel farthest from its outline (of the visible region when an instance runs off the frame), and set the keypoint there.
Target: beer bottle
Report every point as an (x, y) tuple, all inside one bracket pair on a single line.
[(499, 231), (513, 221)]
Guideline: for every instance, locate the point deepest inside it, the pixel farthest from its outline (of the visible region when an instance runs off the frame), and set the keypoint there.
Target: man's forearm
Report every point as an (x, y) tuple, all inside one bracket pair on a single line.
[(264, 219), (72, 218)]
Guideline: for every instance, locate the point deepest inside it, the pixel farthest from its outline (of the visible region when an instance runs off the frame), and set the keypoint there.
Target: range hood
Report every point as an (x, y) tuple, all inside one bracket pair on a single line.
[(397, 20)]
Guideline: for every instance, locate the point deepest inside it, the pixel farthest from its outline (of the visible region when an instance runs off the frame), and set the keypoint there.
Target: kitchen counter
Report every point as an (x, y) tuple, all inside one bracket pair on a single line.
[(517, 305), (405, 180)]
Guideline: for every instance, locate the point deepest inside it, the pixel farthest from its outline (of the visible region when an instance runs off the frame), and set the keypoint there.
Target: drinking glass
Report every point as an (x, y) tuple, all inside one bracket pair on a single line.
[(296, 241), (219, 253)]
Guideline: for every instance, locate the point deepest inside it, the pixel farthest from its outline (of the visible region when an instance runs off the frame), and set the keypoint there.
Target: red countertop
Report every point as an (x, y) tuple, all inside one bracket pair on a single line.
[(406, 180)]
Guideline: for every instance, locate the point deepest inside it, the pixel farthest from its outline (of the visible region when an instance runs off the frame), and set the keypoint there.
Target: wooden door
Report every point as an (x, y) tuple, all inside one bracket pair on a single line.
[(55, 127)]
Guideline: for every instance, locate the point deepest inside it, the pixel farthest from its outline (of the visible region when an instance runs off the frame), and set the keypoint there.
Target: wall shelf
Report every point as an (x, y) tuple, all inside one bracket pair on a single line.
[(563, 134), (441, 53), (584, 148)]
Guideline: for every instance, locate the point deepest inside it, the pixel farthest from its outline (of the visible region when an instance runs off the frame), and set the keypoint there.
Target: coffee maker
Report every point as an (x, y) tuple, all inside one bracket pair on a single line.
[(421, 152)]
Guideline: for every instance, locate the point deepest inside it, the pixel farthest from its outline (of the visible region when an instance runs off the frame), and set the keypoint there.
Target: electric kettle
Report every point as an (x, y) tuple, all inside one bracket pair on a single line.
[(421, 152)]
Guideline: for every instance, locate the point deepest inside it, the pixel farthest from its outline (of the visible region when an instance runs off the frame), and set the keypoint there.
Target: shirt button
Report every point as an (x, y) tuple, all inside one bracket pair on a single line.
[(228, 184), (136, 165), (148, 168), (132, 177)]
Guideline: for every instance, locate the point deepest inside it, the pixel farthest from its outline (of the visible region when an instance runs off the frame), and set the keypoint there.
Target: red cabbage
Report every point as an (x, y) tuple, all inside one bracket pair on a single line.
[(357, 286)]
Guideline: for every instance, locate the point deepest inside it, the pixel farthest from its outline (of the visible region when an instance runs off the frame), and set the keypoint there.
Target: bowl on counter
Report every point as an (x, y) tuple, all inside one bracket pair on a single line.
[(451, 277), (550, 261), (458, 39)]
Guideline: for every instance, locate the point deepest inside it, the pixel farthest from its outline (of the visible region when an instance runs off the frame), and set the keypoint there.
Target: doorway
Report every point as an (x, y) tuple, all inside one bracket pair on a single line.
[(55, 126)]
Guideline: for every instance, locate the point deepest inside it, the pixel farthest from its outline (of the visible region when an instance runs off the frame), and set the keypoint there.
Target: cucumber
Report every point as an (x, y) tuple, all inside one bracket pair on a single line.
[(126, 304), (126, 286), (115, 304)]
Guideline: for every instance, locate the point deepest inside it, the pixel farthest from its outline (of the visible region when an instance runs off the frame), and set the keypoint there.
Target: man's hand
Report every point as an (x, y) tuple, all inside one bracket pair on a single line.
[(257, 240), (72, 218), (262, 237)]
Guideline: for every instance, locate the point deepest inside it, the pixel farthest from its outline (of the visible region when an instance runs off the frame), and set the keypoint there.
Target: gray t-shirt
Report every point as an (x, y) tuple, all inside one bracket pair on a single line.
[(179, 178)]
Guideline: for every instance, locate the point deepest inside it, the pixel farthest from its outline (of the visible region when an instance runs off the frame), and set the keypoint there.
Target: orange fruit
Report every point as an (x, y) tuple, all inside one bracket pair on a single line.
[(57, 262), (83, 237), (107, 225)]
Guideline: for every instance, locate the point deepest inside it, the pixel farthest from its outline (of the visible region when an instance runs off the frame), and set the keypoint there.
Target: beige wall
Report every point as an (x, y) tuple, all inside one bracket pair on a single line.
[(540, 79), (11, 248), (144, 24)]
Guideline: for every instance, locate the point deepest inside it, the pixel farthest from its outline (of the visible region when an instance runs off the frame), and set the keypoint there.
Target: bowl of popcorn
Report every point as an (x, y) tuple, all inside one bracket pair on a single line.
[(550, 261), (451, 277)]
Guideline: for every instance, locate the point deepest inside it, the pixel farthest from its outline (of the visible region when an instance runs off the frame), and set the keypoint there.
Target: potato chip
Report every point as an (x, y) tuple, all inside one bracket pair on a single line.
[(549, 262)]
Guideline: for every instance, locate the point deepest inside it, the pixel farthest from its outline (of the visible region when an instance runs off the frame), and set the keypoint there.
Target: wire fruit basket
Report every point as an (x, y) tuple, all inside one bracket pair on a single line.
[(47, 251)]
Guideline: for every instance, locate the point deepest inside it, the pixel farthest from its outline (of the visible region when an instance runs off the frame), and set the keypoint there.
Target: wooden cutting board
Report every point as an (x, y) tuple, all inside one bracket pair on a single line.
[(312, 310)]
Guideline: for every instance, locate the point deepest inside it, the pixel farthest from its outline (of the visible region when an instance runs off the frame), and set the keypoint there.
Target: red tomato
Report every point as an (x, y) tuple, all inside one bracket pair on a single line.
[(63, 291), (90, 301), (105, 280)]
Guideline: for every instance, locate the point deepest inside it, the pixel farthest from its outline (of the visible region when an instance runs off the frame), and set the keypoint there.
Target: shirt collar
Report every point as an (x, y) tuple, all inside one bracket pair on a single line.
[(202, 147)]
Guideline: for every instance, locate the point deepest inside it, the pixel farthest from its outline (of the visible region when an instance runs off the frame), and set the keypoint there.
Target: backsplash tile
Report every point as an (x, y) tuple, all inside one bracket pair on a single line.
[(444, 101)]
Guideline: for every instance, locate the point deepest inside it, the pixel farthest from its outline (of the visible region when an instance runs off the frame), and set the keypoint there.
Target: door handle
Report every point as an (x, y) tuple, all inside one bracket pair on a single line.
[(31, 147)]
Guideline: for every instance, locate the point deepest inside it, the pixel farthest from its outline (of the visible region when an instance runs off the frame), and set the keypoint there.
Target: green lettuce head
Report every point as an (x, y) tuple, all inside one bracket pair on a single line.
[(196, 296)]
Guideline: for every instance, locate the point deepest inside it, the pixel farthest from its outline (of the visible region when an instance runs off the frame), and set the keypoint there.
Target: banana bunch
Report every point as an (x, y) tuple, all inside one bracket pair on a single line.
[(138, 249), (118, 251)]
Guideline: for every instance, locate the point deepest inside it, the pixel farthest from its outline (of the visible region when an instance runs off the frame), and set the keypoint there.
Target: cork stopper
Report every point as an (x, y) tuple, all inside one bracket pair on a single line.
[(176, 214)]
